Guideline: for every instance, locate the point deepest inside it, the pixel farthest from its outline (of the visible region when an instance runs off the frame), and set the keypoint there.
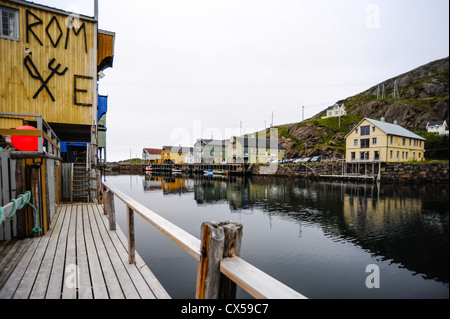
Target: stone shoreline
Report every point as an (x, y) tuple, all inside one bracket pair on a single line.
[(405, 173)]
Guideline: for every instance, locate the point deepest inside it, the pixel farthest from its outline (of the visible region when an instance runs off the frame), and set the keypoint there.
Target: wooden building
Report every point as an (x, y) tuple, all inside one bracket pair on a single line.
[(152, 155), (51, 62), (175, 154), (378, 141)]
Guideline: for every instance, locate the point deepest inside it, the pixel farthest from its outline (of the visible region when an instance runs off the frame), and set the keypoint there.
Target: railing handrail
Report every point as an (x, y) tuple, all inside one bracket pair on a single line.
[(248, 277), (50, 135)]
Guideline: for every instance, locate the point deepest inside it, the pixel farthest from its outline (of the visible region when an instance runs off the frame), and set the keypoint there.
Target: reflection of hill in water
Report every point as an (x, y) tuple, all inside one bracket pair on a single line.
[(408, 225)]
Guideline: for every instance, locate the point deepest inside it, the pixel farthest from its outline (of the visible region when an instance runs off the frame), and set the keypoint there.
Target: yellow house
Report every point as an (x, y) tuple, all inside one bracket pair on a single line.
[(379, 141), (175, 154)]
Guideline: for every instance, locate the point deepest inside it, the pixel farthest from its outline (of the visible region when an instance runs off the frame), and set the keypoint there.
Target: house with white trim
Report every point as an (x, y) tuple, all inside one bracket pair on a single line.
[(440, 127), (379, 141)]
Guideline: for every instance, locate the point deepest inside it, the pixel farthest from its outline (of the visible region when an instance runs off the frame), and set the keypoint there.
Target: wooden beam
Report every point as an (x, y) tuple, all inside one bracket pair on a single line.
[(257, 283), (14, 132)]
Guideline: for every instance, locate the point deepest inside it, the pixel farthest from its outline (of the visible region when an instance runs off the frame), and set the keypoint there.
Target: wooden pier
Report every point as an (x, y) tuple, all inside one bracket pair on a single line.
[(78, 258), (199, 169), (85, 255)]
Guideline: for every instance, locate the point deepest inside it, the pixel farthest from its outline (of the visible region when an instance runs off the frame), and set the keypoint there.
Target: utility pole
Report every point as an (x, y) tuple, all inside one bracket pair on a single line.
[(303, 113)]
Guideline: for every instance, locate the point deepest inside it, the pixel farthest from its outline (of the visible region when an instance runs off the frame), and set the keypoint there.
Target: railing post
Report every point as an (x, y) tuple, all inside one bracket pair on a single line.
[(131, 239), (218, 241), (208, 271), (109, 209), (232, 248)]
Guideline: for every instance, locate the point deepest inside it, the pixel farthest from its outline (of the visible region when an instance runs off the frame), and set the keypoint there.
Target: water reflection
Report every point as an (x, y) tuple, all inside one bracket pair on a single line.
[(407, 225)]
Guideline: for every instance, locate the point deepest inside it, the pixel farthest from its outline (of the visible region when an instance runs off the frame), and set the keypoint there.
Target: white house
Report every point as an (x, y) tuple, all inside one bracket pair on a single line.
[(438, 127), (152, 155), (337, 109)]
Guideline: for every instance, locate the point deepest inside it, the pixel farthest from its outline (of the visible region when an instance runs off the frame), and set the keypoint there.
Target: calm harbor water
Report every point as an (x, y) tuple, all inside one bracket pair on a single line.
[(316, 237)]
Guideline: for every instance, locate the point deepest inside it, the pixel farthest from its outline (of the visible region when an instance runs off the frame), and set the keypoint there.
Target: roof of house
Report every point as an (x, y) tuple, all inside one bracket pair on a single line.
[(179, 149), (390, 129), (258, 142), (153, 151), (439, 123)]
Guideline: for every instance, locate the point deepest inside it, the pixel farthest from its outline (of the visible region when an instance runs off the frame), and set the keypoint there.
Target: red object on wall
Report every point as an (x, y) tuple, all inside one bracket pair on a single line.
[(25, 143)]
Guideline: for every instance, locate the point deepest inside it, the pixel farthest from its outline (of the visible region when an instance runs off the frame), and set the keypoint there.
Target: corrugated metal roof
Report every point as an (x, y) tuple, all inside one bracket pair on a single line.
[(394, 129)]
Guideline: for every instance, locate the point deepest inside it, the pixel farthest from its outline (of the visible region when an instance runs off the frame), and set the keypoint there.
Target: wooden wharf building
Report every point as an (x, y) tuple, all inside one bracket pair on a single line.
[(50, 61)]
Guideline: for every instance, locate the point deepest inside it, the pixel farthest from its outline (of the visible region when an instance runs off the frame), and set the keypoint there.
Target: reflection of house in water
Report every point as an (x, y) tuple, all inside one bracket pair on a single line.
[(169, 184), (367, 214), (394, 223)]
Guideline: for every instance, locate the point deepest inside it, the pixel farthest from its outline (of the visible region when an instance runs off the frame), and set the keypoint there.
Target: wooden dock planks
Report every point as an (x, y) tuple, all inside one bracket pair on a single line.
[(79, 258)]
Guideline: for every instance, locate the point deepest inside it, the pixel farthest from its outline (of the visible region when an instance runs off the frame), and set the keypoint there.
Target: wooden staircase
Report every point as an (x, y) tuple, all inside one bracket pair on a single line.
[(80, 183)]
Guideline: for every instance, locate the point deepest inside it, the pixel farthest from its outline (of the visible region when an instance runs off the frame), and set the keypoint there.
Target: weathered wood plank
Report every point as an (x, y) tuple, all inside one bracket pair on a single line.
[(55, 283), (188, 242), (10, 287), (256, 282), (98, 282), (70, 281), (84, 281), (126, 284), (109, 275), (43, 277), (134, 271), (10, 255)]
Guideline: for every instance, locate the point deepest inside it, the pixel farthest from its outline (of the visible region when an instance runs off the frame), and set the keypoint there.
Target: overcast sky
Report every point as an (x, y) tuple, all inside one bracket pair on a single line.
[(186, 69)]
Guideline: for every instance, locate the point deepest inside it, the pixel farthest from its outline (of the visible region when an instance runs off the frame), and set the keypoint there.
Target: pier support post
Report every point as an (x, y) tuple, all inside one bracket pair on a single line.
[(219, 241)]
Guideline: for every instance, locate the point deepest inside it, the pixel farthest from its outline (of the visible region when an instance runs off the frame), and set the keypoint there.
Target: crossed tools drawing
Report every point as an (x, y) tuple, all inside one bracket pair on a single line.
[(36, 75)]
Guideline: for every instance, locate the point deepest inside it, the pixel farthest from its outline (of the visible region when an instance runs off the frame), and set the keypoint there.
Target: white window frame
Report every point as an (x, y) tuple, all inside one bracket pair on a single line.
[(16, 32)]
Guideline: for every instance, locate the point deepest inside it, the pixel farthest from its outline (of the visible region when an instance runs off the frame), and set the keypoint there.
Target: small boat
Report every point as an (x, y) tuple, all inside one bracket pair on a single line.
[(208, 171), (149, 169), (177, 170), (220, 172)]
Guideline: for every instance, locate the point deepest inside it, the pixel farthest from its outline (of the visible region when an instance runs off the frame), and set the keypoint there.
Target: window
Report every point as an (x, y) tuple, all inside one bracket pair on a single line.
[(391, 154), (373, 128), (374, 141), (353, 155), (364, 143), (365, 130), (355, 142), (392, 140), (9, 23), (376, 155), (404, 142), (364, 156)]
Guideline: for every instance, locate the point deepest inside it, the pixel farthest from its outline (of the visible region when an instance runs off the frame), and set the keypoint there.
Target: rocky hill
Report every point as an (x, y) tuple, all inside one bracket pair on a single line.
[(423, 96)]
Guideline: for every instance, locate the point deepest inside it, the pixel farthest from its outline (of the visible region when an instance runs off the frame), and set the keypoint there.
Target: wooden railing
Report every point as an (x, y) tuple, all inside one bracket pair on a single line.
[(220, 268), (43, 130)]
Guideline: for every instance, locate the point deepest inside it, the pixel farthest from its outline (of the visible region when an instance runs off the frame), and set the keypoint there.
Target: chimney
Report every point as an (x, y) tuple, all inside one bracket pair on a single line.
[(96, 9)]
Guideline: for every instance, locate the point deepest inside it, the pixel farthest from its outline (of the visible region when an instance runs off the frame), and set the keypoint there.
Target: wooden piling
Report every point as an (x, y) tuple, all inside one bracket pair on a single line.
[(208, 271), (232, 248)]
